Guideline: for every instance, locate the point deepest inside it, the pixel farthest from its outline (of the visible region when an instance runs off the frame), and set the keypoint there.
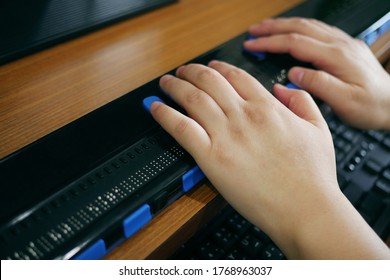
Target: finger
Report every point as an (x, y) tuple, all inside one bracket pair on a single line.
[(299, 46), (300, 103), (308, 27), (321, 84), (243, 83), (212, 83), (188, 133), (199, 105)]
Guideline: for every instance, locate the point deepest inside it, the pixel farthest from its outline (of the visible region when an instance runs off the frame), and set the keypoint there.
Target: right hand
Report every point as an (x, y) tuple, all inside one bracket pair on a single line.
[(349, 77)]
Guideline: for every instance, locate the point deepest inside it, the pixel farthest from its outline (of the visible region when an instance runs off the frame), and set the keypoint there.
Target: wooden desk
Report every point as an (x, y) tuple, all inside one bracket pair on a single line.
[(47, 90)]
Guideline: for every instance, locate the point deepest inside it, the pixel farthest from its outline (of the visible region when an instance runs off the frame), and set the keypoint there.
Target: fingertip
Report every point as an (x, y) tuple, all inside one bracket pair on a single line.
[(295, 75), (278, 87), (180, 70), (164, 79), (254, 28), (213, 62), (258, 28), (148, 101), (281, 93), (158, 110), (249, 44), (298, 101), (155, 106)]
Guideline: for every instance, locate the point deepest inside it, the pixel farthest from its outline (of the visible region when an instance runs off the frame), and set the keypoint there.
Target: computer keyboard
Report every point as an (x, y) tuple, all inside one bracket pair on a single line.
[(229, 236), (363, 162)]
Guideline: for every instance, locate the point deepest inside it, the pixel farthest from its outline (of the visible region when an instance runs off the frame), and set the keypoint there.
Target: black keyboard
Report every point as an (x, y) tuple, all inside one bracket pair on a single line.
[(229, 236)]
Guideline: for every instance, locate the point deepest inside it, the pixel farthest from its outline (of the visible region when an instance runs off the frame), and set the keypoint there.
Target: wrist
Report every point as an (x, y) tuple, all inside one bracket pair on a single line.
[(385, 102), (300, 220), (311, 229), (338, 232)]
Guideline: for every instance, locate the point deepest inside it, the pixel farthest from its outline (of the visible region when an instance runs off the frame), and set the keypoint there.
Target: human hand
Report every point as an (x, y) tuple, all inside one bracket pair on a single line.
[(349, 77), (273, 160)]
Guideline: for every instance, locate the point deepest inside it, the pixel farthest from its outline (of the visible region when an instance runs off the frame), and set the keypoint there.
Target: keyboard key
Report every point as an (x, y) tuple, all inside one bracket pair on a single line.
[(225, 238), (386, 174), (340, 143), (236, 254), (377, 135), (367, 145), (386, 142), (350, 135), (340, 129), (370, 206), (261, 235), (373, 167), (343, 180), (251, 245), (238, 224), (383, 185), (209, 251), (362, 153), (356, 160), (333, 125), (382, 225), (340, 156), (350, 167), (354, 193), (271, 252)]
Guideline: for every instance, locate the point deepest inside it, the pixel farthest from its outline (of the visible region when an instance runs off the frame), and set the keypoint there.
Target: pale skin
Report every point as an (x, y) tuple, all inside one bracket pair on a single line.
[(273, 158)]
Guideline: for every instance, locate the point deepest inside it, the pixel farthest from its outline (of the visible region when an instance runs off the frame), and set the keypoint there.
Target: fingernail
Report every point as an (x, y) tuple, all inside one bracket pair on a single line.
[(148, 101), (249, 43), (279, 85), (154, 106), (166, 77), (213, 62), (300, 76), (180, 69), (296, 76), (254, 27)]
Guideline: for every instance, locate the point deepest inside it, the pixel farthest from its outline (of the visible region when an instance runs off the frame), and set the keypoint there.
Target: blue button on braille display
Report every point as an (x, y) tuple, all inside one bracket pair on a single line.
[(136, 220), (260, 55), (191, 178), (94, 252), (292, 86), (147, 102)]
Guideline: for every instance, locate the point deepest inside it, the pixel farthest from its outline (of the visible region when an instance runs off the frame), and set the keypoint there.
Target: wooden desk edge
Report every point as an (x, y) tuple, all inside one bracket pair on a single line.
[(181, 220)]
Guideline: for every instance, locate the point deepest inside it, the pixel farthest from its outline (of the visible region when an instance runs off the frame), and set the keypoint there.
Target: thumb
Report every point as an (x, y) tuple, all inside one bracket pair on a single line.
[(319, 83), (299, 102)]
